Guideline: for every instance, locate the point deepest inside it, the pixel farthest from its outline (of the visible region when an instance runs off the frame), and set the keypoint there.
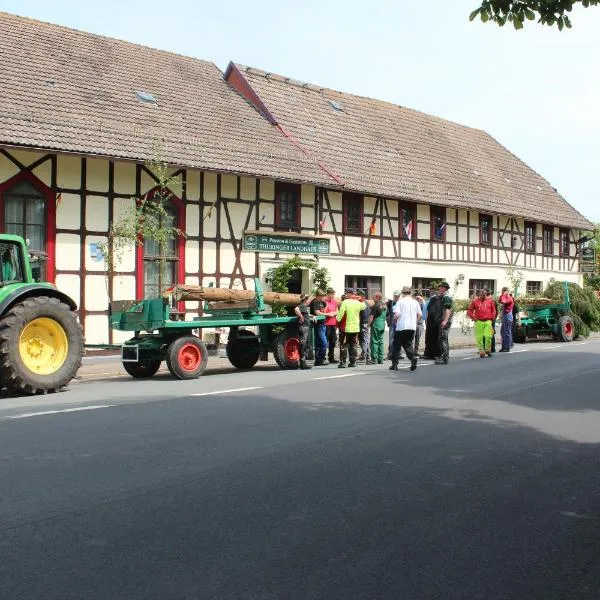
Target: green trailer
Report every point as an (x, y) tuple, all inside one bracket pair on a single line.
[(160, 335), (541, 319)]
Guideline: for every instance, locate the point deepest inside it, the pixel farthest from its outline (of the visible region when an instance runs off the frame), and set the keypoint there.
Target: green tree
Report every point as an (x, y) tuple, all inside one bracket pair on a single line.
[(517, 12), (593, 280)]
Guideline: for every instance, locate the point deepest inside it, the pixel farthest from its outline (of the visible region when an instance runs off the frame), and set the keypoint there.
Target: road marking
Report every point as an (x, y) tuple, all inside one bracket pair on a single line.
[(336, 376), (54, 412), (246, 389)]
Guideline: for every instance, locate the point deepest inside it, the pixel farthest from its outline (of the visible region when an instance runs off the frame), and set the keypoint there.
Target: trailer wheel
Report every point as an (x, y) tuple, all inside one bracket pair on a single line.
[(243, 351), (286, 349), (187, 357), (566, 329), (142, 369), (41, 346)]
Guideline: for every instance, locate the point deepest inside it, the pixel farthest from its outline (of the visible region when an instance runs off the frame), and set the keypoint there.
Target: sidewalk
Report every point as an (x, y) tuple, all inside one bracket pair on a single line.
[(101, 364)]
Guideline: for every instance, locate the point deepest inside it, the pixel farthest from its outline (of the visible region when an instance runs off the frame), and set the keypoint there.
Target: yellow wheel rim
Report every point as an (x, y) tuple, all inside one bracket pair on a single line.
[(43, 346)]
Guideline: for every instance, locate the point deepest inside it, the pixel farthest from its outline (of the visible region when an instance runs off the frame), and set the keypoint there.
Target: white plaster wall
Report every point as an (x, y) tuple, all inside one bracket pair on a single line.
[(90, 263), (192, 256), (68, 171), (247, 188), (192, 219), (7, 169), (68, 252), (308, 217), (307, 194), (210, 187), (123, 288), (125, 177), (96, 329), (97, 175), (353, 245), (209, 257), (96, 296), (193, 185), (68, 212), (228, 186), (96, 213), (267, 189), (69, 284)]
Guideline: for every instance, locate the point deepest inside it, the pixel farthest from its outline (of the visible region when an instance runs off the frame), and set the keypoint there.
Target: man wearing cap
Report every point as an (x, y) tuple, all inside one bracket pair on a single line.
[(303, 313), (483, 311), (407, 314), (348, 317), (318, 309), (331, 308), (444, 319), (506, 329), (390, 322), (364, 336), (377, 321)]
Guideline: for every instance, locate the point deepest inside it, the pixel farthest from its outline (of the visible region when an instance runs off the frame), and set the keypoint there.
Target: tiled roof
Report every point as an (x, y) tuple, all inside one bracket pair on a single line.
[(67, 90), (383, 149)]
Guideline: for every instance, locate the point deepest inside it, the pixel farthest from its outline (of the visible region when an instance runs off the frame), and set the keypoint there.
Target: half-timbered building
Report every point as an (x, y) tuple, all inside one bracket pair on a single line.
[(401, 196)]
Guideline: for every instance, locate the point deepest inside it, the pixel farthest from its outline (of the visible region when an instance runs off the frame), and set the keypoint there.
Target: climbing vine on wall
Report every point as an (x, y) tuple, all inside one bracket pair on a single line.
[(280, 277)]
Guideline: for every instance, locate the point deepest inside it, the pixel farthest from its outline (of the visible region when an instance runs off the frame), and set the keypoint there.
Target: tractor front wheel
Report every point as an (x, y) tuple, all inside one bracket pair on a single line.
[(41, 346), (243, 350), (142, 369), (187, 357), (566, 329)]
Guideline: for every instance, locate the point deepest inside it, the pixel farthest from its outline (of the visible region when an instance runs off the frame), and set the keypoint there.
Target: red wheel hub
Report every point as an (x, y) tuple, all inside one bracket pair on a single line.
[(189, 357), (292, 349), (568, 328)]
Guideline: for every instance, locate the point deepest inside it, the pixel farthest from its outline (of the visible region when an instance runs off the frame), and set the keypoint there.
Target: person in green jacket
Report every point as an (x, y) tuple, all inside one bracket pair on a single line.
[(377, 321), (348, 317)]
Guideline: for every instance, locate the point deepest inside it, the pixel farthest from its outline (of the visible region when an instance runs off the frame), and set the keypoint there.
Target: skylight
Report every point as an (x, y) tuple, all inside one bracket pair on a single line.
[(336, 105), (145, 97)]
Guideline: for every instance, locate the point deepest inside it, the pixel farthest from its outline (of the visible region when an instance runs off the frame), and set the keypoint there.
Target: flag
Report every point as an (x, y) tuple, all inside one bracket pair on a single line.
[(58, 198), (440, 231), (408, 230), (322, 223), (373, 227)]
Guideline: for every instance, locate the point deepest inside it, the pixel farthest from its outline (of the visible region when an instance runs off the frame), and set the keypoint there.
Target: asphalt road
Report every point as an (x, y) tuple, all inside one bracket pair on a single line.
[(476, 480)]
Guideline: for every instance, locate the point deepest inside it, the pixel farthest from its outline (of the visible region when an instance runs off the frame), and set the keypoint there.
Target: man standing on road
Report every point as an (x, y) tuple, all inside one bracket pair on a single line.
[(444, 309), (348, 316), (432, 327), (303, 313), (482, 310), (365, 331), (377, 320), (390, 322), (407, 314), (506, 328), (420, 325), (317, 309), (331, 308)]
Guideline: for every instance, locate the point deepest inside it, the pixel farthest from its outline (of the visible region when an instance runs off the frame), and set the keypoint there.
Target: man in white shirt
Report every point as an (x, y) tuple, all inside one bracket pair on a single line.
[(407, 314)]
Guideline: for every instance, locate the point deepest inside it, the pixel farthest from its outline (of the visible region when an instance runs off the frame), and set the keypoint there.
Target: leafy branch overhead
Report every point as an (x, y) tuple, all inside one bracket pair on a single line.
[(518, 12)]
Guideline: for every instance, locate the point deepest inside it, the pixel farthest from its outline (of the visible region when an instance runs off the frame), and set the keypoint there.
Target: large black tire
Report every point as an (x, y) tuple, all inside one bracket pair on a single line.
[(243, 351), (566, 329), (187, 357), (286, 349), (16, 375), (142, 369)]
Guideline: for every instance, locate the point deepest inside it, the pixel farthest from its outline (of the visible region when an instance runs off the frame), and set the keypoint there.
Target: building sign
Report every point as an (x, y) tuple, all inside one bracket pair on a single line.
[(588, 255), (286, 243), (588, 268)]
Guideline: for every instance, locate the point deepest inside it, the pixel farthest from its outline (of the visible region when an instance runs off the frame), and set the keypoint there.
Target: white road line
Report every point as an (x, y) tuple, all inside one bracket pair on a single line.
[(54, 412), (246, 389), (336, 376)]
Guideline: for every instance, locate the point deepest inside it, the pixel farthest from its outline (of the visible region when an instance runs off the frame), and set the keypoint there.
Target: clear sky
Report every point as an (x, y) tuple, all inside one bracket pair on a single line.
[(537, 90)]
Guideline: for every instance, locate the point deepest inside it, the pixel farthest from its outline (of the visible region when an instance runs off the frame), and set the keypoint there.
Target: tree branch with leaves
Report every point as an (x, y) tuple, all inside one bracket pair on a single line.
[(518, 12)]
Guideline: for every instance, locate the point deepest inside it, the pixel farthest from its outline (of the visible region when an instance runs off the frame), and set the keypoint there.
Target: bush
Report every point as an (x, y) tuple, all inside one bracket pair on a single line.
[(585, 306)]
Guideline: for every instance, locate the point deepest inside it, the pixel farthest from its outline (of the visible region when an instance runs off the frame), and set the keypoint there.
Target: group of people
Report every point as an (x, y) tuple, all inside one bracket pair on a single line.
[(360, 324)]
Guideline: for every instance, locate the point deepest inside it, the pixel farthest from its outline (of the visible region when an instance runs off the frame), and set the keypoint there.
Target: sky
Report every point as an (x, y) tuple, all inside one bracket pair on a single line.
[(537, 91)]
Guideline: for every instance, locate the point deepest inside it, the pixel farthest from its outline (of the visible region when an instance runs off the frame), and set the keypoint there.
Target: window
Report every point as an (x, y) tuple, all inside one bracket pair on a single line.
[(161, 267), (408, 226), (10, 258), (485, 230), (438, 224), (28, 209), (287, 206), (353, 213), (548, 240), (424, 284), (565, 246), (476, 285), (530, 237), (370, 285), (533, 287)]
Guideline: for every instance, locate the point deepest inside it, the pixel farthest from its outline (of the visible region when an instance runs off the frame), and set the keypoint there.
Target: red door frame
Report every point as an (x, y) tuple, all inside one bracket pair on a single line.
[(139, 256), (50, 215)]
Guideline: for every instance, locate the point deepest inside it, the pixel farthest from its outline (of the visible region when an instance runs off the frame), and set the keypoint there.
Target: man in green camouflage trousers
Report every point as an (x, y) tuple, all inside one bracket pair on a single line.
[(377, 321)]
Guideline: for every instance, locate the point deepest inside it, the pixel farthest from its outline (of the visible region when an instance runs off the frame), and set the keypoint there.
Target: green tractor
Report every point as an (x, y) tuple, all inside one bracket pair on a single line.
[(41, 340)]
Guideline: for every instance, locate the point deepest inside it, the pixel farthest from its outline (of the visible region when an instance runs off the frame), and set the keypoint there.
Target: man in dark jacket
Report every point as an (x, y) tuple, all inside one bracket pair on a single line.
[(432, 328)]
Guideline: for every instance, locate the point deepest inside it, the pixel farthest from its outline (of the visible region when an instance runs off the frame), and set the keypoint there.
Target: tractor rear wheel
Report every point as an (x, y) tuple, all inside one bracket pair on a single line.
[(566, 329), (41, 346), (243, 350), (142, 369), (286, 349), (187, 357)]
